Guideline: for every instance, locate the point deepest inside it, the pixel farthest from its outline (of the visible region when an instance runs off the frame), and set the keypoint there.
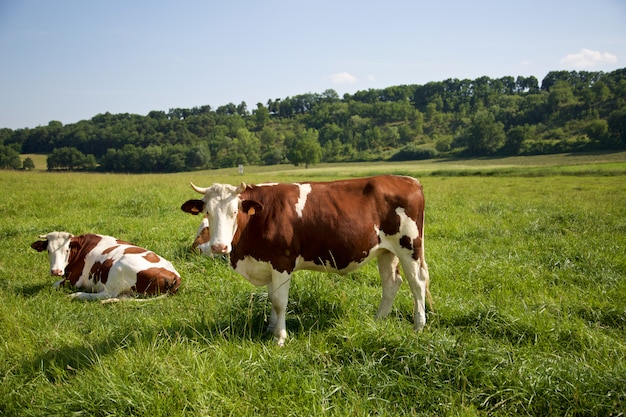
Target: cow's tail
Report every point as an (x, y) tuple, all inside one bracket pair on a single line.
[(424, 270)]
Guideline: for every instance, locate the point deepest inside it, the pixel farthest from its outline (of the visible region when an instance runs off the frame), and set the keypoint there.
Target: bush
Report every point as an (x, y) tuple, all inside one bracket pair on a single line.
[(28, 164), (412, 152)]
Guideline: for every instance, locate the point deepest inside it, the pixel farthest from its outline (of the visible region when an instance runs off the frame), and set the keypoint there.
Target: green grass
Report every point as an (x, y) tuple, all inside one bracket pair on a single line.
[(528, 277)]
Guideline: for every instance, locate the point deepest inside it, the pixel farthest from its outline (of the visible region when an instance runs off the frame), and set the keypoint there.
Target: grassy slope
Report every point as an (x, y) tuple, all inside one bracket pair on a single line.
[(528, 277)]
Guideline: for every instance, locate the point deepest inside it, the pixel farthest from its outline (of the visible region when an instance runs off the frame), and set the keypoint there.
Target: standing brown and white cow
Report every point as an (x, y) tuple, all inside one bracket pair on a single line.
[(272, 230), (106, 267)]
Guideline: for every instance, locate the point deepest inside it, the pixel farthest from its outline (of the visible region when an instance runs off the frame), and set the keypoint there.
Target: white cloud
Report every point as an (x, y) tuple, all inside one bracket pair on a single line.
[(343, 78), (587, 58)]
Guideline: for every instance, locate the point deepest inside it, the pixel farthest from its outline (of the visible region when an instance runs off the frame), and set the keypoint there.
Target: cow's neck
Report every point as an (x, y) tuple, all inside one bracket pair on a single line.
[(76, 262)]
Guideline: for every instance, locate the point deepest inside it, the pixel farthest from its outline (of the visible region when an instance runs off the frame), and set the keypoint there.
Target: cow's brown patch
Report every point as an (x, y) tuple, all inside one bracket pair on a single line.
[(405, 242), (110, 249), (152, 257), (100, 271), (157, 281), (80, 246), (134, 249)]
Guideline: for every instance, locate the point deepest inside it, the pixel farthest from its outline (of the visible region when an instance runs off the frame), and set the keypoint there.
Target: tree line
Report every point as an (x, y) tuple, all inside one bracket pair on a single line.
[(567, 112)]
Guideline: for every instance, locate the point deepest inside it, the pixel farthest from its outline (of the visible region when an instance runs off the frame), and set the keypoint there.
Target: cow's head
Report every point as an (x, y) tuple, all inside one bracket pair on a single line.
[(59, 246), (202, 237), (220, 205)]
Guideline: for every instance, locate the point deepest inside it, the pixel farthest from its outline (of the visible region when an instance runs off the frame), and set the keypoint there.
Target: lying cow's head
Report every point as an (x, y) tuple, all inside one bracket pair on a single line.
[(59, 246), (220, 205), (202, 237)]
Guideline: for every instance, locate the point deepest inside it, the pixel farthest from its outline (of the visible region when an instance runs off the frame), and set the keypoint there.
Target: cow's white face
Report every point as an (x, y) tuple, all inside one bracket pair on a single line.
[(58, 251), (221, 206)]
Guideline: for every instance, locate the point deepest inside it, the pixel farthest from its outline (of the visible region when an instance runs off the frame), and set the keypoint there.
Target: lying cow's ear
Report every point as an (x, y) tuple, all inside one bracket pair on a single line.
[(40, 245), (193, 206), (251, 207)]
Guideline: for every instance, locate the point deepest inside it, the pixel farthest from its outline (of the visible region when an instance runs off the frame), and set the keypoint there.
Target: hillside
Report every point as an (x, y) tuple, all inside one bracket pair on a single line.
[(567, 112)]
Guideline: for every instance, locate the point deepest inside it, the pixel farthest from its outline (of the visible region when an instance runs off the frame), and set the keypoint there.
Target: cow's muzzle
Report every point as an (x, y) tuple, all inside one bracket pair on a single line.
[(219, 249), (56, 272)]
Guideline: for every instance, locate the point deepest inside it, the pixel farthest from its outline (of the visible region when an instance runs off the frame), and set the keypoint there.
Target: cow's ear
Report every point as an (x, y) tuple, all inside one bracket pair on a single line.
[(40, 245), (193, 207), (251, 207), (75, 245)]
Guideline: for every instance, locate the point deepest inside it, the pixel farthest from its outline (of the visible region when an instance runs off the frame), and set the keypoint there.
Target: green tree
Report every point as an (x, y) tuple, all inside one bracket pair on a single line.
[(617, 126), (272, 146), (173, 158), (248, 147), (561, 95), (598, 130), (28, 164), (484, 136), (71, 159), (515, 137), (261, 116), (9, 158), (306, 148), (198, 157)]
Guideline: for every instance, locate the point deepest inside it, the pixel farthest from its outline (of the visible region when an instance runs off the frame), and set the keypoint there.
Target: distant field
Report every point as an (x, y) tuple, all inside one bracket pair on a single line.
[(40, 161), (528, 268), (617, 161)]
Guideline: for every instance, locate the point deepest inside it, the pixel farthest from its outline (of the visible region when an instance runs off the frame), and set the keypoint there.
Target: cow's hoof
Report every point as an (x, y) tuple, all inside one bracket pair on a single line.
[(280, 338), (419, 328)]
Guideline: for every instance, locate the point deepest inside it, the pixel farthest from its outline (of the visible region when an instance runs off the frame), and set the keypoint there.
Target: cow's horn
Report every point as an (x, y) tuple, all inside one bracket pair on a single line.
[(198, 189), (241, 187), (43, 236)]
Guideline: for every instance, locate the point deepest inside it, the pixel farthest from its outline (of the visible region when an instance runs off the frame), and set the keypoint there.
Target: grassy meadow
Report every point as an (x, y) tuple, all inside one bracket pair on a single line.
[(528, 275)]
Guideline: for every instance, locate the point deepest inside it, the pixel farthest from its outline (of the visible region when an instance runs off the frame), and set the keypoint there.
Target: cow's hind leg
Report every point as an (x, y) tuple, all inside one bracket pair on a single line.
[(391, 280), (416, 273), (279, 295)]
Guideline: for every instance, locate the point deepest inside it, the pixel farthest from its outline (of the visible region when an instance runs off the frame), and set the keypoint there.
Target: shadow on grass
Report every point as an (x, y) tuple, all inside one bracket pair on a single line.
[(30, 290), (244, 319)]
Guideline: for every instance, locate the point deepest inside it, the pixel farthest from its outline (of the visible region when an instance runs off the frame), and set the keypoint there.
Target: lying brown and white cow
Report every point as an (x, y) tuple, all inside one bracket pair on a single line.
[(272, 230), (106, 267)]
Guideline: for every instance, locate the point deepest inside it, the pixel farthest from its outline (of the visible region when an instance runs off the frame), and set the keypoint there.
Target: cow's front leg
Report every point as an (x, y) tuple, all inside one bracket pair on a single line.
[(102, 295), (279, 295)]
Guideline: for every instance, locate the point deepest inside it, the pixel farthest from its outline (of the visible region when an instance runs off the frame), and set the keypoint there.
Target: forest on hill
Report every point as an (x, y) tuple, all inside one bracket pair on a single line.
[(568, 112)]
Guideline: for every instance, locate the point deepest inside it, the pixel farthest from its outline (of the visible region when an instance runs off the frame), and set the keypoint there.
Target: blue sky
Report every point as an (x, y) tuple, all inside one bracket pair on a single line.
[(69, 60)]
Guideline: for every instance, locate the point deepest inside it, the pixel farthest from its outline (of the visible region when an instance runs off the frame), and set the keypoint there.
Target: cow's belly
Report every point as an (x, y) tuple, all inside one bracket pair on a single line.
[(329, 266), (259, 273)]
